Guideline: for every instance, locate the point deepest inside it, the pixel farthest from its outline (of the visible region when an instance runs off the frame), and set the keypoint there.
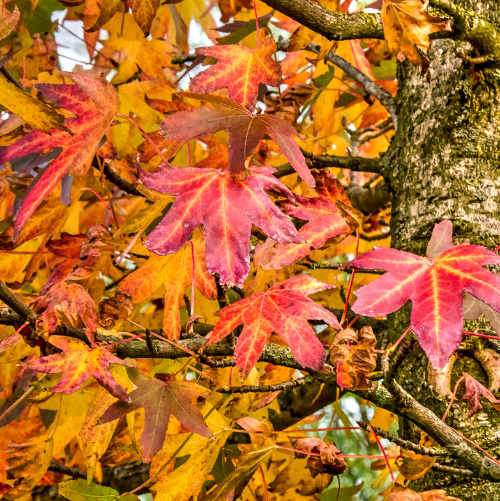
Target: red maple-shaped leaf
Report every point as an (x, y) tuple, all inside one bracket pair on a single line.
[(66, 303), (283, 309), (435, 286), (226, 208), (474, 390), (161, 399), (324, 221), (77, 363), (239, 69), (245, 130), (93, 104)]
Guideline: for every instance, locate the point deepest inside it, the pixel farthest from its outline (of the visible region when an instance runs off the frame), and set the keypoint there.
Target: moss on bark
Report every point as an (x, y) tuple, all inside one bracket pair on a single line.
[(443, 164)]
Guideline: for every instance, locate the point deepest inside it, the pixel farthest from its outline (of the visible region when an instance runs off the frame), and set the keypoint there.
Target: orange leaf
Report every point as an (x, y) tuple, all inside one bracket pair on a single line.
[(67, 304), (407, 27), (77, 363), (171, 274)]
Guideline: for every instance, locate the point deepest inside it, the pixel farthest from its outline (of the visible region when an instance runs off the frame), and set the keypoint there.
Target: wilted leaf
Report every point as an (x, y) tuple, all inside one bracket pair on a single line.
[(93, 104), (435, 287), (474, 390), (353, 354), (8, 20), (322, 457), (77, 363), (67, 303), (160, 399), (283, 309), (239, 69), (208, 197), (401, 494)]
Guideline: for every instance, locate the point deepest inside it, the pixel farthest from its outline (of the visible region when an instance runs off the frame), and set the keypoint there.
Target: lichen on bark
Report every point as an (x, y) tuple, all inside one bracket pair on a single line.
[(442, 164)]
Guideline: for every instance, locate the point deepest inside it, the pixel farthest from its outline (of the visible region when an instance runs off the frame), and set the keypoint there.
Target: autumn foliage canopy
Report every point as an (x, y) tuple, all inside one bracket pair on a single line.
[(193, 227)]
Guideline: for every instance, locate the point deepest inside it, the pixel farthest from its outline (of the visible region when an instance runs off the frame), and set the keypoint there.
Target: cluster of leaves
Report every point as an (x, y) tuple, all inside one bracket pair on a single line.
[(160, 203)]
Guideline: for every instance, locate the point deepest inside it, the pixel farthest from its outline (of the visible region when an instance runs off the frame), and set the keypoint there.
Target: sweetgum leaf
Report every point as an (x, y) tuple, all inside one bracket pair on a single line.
[(283, 309), (407, 27), (77, 363), (226, 208), (324, 221), (93, 104), (67, 303), (239, 69), (245, 130), (33, 111), (171, 275), (160, 399), (435, 286)]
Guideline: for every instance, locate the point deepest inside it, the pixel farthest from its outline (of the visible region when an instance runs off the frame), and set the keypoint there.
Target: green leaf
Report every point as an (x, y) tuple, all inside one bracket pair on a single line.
[(81, 490)]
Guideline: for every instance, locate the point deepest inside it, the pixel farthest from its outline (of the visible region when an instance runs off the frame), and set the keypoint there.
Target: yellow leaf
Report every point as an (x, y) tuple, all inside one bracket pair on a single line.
[(34, 112), (171, 275), (71, 410), (186, 481), (128, 46)]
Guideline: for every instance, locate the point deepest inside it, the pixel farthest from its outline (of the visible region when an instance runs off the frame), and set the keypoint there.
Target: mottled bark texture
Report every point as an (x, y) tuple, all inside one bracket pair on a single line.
[(442, 164)]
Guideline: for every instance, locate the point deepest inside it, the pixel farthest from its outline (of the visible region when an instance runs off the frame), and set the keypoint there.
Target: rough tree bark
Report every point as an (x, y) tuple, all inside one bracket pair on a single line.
[(441, 164)]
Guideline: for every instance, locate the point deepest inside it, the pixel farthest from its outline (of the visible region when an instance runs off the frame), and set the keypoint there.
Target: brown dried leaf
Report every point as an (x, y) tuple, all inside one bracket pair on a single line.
[(353, 354)]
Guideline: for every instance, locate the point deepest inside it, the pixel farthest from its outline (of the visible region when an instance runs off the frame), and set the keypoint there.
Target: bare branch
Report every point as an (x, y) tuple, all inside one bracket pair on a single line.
[(407, 444), (265, 388), (10, 299), (356, 164), (367, 83), (481, 465), (332, 25)]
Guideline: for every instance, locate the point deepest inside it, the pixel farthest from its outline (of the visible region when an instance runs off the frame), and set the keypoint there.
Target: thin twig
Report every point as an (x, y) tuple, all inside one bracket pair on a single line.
[(57, 467), (407, 444), (453, 470), (355, 164), (264, 388), (366, 82)]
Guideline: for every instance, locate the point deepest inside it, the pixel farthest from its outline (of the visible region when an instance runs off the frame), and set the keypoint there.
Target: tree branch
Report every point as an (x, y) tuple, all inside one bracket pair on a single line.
[(11, 299), (481, 465), (264, 388), (356, 164), (399, 401), (332, 25), (367, 83), (407, 444)]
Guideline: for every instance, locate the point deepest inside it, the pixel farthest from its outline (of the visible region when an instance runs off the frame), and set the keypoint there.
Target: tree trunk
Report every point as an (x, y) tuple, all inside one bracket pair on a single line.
[(442, 165)]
